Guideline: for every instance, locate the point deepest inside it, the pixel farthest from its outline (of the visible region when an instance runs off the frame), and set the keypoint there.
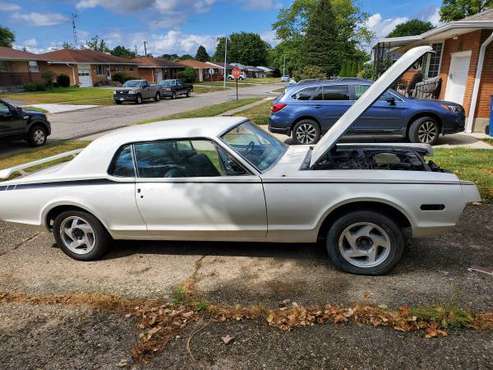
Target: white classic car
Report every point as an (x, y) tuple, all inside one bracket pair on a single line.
[(225, 179)]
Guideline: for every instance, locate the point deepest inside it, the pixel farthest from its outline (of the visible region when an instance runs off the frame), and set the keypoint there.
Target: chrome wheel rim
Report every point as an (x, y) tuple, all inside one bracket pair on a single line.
[(139, 99), (158, 97), (77, 235), (306, 133), (364, 245), (427, 132), (38, 136)]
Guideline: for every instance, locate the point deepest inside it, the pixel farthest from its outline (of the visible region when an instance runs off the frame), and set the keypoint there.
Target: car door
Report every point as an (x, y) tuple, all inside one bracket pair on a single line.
[(11, 121), (333, 101), (385, 116), (146, 90), (194, 190), (179, 88)]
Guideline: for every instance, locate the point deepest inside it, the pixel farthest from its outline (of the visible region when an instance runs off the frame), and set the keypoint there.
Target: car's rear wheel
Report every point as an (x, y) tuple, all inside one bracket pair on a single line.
[(157, 97), (424, 130), (306, 132), (80, 235), (37, 136), (138, 100), (365, 243), (173, 95)]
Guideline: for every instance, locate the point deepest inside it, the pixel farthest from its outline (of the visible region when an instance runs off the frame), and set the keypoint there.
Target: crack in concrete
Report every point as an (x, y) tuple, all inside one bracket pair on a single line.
[(20, 244)]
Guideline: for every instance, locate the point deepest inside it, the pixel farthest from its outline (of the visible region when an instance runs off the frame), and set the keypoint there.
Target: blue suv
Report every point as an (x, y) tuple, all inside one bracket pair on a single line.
[(306, 111)]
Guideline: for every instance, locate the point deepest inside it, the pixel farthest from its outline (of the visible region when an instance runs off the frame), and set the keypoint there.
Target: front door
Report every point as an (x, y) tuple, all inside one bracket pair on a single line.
[(85, 78), (193, 190), (11, 123), (159, 75), (457, 77)]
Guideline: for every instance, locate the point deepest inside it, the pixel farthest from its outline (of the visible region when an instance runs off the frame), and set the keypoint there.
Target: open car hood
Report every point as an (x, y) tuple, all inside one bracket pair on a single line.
[(371, 95)]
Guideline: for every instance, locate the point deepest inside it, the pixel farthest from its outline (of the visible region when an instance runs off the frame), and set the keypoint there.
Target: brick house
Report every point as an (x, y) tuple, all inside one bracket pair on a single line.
[(86, 67), (463, 60), (203, 71), (19, 67), (157, 69)]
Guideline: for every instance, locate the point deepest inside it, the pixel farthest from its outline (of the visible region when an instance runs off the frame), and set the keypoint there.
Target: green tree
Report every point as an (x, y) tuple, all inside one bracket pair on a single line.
[(97, 44), (122, 51), (245, 47), (453, 10), (202, 54), (411, 28), (321, 45), (7, 37), (67, 45)]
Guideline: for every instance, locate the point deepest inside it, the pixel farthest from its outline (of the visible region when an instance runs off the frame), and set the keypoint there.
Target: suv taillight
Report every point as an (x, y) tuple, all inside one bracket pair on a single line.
[(277, 107)]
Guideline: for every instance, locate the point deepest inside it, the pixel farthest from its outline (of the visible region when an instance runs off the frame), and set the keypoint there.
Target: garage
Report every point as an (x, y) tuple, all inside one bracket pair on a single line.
[(85, 78)]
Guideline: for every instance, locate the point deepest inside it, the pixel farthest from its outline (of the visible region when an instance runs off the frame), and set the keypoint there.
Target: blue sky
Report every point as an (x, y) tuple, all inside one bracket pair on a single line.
[(173, 26)]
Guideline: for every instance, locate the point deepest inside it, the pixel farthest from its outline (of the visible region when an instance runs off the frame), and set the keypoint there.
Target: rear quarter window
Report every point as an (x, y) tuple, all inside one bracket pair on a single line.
[(123, 163)]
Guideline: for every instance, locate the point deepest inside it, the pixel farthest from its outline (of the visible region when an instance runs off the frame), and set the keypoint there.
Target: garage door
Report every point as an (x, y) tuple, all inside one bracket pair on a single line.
[(85, 79)]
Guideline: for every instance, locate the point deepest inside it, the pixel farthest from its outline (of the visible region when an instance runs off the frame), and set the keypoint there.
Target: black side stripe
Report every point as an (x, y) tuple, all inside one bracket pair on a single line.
[(109, 182)]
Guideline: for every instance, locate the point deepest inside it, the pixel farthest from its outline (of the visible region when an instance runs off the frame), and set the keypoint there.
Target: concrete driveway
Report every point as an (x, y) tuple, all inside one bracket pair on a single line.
[(433, 271), (78, 124)]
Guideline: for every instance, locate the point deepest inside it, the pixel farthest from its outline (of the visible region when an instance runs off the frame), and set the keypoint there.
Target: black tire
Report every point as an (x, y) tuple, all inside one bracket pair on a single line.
[(157, 97), (424, 130), (311, 131), (138, 99), (118, 102), (173, 95), (37, 135), (101, 237), (386, 230), (187, 94)]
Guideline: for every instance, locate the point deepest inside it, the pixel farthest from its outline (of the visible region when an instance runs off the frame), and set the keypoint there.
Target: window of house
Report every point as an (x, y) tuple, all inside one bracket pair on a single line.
[(4, 67), (101, 70), (33, 66), (184, 158), (434, 60)]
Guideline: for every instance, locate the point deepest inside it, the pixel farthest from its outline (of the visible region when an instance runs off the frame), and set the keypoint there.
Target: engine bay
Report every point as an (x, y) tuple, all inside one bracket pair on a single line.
[(376, 158)]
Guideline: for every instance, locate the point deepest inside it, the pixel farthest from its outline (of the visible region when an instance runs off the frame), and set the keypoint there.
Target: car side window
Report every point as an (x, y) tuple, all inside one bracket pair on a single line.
[(4, 108), (123, 163), (306, 94), (184, 158), (360, 90), (336, 92)]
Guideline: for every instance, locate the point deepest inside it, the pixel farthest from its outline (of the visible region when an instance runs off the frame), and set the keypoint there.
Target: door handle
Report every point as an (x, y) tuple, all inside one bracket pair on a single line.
[(318, 106)]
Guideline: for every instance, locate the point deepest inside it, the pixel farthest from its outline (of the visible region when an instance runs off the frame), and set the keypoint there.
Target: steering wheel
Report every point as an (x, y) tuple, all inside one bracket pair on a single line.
[(250, 147)]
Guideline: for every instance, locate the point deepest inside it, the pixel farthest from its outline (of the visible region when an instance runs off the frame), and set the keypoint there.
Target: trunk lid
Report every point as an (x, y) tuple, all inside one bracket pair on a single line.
[(371, 95)]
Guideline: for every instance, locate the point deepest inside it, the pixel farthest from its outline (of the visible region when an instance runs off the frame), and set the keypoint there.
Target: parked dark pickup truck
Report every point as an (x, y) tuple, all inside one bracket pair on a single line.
[(174, 88)]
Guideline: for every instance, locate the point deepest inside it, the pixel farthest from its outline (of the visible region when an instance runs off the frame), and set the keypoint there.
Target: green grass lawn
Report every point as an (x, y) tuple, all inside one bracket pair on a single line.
[(210, 111), (258, 114), (199, 89), (488, 141), (469, 164), (220, 84), (69, 95)]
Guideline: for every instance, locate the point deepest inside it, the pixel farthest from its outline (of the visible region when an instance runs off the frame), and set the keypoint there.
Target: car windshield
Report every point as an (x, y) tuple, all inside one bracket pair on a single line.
[(255, 145), (167, 83), (132, 83)]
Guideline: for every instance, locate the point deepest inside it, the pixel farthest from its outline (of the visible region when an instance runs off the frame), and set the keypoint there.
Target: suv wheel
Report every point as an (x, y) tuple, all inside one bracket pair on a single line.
[(424, 130), (173, 95), (157, 97), (306, 132), (365, 243), (139, 99), (37, 136), (80, 235)]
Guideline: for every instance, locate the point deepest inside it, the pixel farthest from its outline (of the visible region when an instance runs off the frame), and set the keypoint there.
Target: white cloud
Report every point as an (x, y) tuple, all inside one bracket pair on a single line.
[(382, 27), (9, 7), (40, 19), (261, 4), (434, 17), (180, 43), (119, 5), (270, 37)]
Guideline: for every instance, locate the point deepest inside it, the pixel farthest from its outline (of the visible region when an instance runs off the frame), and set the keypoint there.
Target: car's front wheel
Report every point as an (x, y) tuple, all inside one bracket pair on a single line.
[(80, 235), (138, 100), (424, 130), (37, 136), (365, 243), (306, 132), (157, 97)]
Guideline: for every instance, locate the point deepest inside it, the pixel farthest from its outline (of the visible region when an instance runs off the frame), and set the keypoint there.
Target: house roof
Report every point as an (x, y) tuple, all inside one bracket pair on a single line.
[(195, 64), (13, 54), (77, 56), (151, 62), (483, 20)]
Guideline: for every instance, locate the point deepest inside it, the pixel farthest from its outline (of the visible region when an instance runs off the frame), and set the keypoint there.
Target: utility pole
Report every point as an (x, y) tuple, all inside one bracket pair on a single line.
[(284, 66), (136, 51), (74, 29), (225, 59), (145, 48)]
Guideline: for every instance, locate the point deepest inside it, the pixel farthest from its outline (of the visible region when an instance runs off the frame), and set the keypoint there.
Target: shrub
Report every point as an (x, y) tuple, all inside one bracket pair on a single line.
[(35, 86), (187, 75), (310, 72), (48, 77), (122, 77), (63, 80)]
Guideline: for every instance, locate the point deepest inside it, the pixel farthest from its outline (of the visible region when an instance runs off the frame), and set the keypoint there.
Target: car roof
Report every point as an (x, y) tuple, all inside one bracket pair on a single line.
[(337, 81), (96, 157)]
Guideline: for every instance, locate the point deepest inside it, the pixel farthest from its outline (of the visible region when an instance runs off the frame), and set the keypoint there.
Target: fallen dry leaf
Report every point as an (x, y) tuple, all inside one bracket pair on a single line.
[(227, 339)]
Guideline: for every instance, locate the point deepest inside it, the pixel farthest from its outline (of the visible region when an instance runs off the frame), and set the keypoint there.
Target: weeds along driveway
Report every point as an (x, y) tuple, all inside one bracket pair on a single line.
[(432, 271), (83, 123)]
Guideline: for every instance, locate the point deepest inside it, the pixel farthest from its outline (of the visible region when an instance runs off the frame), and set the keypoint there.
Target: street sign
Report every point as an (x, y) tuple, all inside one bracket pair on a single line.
[(236, 73)]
